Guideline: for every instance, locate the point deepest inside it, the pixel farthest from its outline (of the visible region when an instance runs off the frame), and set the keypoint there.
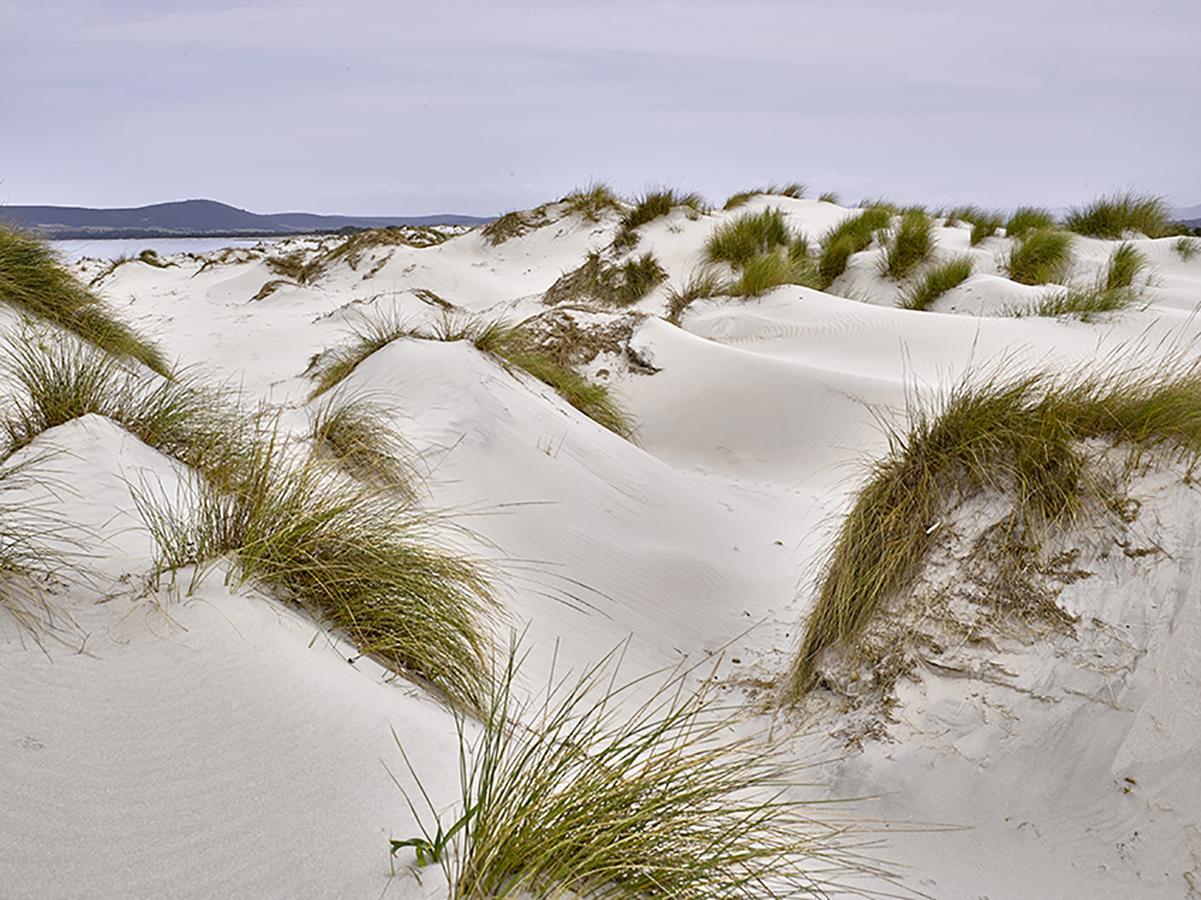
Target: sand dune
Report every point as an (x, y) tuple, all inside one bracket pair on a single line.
[(220, 743)]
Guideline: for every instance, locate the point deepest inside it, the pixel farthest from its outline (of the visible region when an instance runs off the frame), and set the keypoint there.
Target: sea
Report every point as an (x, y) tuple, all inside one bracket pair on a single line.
[(71, 251)]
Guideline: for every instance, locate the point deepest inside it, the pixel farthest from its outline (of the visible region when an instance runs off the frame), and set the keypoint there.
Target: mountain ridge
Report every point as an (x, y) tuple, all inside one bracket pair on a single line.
[(197, 218)]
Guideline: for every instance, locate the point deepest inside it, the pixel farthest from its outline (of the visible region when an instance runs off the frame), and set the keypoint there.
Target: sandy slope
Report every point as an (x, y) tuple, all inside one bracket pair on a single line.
[(219, 744)]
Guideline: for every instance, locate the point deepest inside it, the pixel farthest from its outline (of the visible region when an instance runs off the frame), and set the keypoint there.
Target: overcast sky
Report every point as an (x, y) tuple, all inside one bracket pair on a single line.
[(393, 107)]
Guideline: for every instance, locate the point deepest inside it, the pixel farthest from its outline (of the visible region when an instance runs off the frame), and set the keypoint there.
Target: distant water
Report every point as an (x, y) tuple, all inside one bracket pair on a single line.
[(111, 249)]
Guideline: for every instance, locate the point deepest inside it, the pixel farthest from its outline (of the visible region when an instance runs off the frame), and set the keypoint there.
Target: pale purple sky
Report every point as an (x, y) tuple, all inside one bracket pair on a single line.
[(379, 107)]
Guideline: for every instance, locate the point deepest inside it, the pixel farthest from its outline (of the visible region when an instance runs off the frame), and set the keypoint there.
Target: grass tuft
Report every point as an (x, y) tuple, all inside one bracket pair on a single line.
[(510, 345), (937, 282), (828, 197), (1124, 266), (343, 551), (702, 283), (61, 380), (773, 269), (850, 236), (1026, 219), (597, 280), (1024, 436), (34, 282), (909, 246), (1040, 257), (297, 266), (654, 205), (592, 791), (356, 434), (984, 226), (750, 235), (1116, 215), (1187, 247), (593, 202), (796, 191), (1082, 303)]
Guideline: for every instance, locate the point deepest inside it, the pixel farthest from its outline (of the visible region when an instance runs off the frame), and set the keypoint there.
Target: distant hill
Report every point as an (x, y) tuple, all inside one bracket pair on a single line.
[(196, 218)]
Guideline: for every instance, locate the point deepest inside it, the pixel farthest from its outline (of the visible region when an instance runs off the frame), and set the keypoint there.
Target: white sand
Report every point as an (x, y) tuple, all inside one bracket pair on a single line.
[(220, 744)]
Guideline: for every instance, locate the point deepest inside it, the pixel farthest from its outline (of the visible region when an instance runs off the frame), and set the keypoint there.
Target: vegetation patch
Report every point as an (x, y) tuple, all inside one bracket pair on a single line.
[(616, 284), (593, 202), (702, 283), (828, 197), (355, 433), (1082, 303), (1187, 247), (346, 553), (515, 224), (1040, 257), (740, 240), (512, 346), (654, 205), (60, 380), (1026, 219), (1124, 266), (936, 282), (911, 245), (33, 282), (795, 190), (771, 270), (297, 266), (593, 791), (984, 226), (852, 235), (1032, 440), (1117, 215)]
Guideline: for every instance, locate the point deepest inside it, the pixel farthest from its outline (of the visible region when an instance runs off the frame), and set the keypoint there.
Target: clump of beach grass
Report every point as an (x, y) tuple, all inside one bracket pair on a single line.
[(936, 282), (1031, 438), (59, 380), (1124, 266), (1187, 247), (35, 283), (1026, 219), (355, 432), (909, 246), (1083, 303), (509, 345), (750, 235), (702, 283), (828, 197), (593, 202), (297, 266), (850, 236), (654, 205), (1116, 215), (795, 190), (1041, 257), (345, 552), (594, 790), (619, 284), (985, 225), (772, 269)]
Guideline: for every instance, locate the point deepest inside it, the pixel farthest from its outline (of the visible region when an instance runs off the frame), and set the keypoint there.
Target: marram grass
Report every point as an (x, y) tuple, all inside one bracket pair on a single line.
[(595, 789), (356, 434), (348, 554), (1124, 266), (1024, 436), (509, 345), (936, 282), (1115, 215), (33, 282), (1026, 219), (909, 246), (772, 269), (1040, 257), (750, 235), (850, 236), (702, 283)]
